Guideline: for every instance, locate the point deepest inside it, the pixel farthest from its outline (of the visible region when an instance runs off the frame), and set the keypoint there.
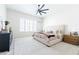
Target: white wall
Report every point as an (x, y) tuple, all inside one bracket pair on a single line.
[(14, 18), (63, 14), (2, 12)]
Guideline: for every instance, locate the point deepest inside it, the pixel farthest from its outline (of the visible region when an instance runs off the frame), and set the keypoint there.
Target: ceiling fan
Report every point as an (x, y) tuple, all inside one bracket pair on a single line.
[(41, 9)]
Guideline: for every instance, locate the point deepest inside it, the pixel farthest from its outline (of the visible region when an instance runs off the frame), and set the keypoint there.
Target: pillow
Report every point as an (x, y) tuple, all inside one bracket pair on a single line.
[(57, 32), (58, 36), (50, 32)]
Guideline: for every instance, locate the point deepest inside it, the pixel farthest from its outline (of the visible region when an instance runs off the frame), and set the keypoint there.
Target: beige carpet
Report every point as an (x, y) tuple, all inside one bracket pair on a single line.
[(25, 46), (29, 46)]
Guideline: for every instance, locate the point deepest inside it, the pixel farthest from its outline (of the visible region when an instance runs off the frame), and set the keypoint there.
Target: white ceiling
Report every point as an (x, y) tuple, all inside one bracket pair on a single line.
[(27, 8)]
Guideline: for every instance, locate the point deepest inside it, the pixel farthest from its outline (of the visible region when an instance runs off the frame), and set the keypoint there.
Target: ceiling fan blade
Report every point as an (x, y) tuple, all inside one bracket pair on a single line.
[(40, 13), (38, 5), (43, 12), (44, 9), (42, 6)]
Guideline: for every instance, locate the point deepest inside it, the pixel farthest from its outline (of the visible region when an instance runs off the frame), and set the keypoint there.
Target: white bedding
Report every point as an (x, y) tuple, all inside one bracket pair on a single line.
[(29, 46)]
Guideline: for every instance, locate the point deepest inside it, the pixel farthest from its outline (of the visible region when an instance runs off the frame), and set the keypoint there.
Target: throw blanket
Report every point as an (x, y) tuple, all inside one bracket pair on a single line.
[(48, 34), (51, 36)]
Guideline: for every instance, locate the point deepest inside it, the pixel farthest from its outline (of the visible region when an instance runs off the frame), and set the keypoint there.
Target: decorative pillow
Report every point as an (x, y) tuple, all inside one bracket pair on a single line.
[(57, 32), (58, 36)]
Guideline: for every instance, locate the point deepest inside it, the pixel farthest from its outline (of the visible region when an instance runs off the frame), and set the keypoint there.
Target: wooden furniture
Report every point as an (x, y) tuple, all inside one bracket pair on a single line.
[(71, 39), (4, 42)]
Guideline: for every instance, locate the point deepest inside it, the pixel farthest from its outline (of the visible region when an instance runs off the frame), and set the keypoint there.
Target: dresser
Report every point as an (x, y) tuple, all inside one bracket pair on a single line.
[(71, 39), (4, 41)]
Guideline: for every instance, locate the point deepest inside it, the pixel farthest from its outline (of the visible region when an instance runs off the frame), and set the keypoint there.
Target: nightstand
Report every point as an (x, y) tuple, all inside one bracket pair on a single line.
[(71, 39), (4, 42)]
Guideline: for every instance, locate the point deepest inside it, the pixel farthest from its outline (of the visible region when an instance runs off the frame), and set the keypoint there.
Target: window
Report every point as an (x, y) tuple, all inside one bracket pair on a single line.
[(27, 25)]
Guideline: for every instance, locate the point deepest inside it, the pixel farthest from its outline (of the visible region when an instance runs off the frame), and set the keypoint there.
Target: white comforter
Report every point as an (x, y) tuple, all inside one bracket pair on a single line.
[(29, 46)]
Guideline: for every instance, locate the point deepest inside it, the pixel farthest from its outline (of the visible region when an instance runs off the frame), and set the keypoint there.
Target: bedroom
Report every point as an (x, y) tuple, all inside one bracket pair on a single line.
[(58, 16)]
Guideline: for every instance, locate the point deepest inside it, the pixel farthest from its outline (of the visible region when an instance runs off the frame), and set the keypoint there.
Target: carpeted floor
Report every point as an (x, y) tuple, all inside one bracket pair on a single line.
[(29, 46)]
